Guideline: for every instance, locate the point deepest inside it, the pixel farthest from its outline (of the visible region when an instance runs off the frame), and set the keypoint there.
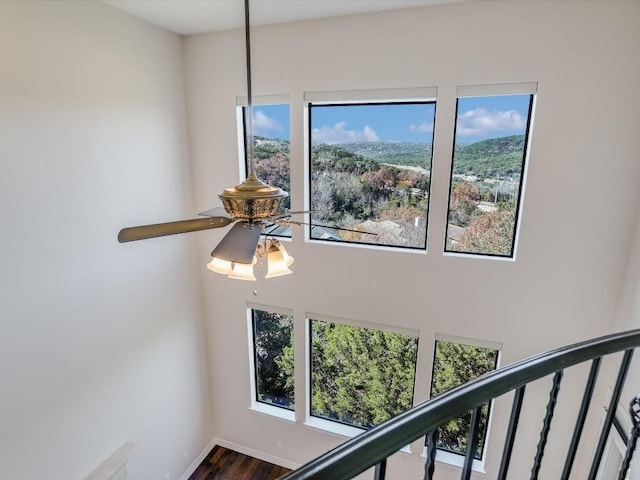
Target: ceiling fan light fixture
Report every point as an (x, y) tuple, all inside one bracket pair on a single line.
[(243, 271), (221, 266), (278, 262)]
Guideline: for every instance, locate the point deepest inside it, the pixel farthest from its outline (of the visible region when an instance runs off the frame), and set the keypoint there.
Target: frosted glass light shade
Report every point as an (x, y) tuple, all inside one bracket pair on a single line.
[(243, 271), (287, 258), (277, 265), (220, 266)]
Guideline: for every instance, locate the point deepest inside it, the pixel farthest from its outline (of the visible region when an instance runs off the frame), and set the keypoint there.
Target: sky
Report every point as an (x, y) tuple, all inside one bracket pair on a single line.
[(479, 118)]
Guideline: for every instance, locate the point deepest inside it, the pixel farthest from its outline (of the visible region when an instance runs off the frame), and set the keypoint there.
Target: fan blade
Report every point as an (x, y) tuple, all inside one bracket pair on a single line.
[(294, 222), (288, 214), (239, 244), (171, 228), (215, 212)]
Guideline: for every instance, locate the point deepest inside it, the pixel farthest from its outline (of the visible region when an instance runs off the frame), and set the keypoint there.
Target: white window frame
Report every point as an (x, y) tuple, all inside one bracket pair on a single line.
[(487, 90), (257, 101), (333, 427), (457, 460), (255, 405), (345, 97)]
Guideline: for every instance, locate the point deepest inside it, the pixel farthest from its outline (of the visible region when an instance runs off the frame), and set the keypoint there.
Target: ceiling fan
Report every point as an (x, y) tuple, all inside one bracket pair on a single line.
[(251, 205)]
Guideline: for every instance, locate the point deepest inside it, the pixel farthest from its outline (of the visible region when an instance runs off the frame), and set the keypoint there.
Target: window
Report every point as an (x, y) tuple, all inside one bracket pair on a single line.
[(271, 150), (272, 353), (487, 171), (360, 376), (370, 170), (456, 363)]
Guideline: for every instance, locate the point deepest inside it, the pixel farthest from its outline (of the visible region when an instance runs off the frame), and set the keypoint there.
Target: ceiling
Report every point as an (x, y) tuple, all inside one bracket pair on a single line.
[(188, 17)]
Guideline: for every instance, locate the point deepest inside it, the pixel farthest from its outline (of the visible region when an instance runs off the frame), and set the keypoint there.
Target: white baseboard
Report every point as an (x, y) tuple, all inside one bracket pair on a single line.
[(256, 454), (240, 449), (198, 460)]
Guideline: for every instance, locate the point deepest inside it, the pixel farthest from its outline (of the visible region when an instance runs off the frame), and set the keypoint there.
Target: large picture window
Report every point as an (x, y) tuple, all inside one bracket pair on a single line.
[(456, 363), (273, 358), (487, 173), (360, 376), (370, 171)]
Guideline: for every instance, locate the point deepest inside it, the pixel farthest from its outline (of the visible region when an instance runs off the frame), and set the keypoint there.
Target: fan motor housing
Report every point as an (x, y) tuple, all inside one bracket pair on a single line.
[(252, 199)]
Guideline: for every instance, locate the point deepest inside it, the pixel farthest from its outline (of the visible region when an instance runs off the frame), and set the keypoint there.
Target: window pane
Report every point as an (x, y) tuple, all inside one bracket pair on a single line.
[(360, 376), (273, 342), (486, 174), (271, 151), (455, 364), (370, 171)]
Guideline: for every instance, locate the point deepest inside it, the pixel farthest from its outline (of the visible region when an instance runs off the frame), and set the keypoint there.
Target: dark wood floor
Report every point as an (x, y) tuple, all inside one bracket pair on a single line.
[(225, 464)]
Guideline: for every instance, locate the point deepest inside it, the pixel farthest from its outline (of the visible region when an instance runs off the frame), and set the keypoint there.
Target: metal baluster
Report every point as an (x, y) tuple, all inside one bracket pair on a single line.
[(582, 415), (546, 426), (472, 443), (511, 432), (381, 470), (634, 411), (606, 428), (429, 463)]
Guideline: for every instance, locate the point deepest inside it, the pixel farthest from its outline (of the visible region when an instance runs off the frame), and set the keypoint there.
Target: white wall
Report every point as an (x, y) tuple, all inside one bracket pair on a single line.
[(579, 212), (100, 343)]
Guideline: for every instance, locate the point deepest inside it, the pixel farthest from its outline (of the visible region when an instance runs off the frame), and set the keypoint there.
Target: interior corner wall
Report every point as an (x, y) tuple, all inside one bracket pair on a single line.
[(100, 342), (578, 215)]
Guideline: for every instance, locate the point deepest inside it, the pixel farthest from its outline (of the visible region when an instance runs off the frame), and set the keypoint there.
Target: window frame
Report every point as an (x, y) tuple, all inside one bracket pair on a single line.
[(416, 95), (454, 458), (337, 427), (495, 90), (256, 405), (241, 122)]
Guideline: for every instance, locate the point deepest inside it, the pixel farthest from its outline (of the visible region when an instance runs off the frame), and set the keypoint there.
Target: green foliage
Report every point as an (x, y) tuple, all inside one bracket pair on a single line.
[(463, 205), (489, 233), (490, 158), (348, 189), (455, 364), (273, 339), (275, 171), (360, 376), (273, 165), (353, 183)]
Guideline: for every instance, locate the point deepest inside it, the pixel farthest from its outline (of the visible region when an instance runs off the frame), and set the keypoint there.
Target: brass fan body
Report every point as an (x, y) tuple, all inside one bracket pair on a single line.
[(252, 200)]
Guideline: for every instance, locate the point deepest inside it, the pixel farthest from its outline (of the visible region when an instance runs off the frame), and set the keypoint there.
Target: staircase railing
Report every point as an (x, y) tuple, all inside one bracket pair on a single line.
[(373, 447)]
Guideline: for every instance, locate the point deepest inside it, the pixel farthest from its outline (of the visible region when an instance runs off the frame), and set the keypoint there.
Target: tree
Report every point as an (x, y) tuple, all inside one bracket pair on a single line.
[(489, 233), (275, 171), (360, 376), (273, 341), (455, 364), (464, 202)]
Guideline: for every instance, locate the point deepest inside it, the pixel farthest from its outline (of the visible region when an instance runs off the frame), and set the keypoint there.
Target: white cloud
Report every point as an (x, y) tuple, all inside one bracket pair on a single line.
[(340, 134), (263, 124), (370, 134), (480, 121), (424, 127)]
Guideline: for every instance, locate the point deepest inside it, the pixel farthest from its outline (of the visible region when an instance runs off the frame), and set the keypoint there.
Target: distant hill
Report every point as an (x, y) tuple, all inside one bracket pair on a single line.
[(268, 147), (394, 153), (487, 158)]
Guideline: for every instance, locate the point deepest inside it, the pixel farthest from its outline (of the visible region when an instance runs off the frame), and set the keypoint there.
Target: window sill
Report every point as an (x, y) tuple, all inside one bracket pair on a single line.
[(455, 460), (271, 411), (340, 429)]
